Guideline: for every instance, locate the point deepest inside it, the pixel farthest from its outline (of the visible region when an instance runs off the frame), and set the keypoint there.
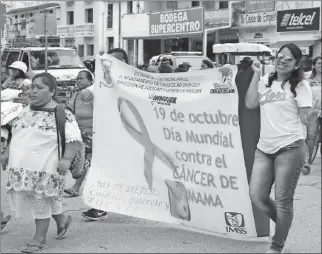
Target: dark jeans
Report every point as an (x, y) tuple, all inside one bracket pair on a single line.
[(283, 167)]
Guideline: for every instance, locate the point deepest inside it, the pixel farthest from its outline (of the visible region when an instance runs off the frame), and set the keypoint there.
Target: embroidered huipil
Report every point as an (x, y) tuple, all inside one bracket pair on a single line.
[(33, 157)]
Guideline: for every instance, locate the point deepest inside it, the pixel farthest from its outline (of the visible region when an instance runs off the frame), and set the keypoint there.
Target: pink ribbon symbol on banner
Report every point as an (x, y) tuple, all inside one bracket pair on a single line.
[(143, 138)]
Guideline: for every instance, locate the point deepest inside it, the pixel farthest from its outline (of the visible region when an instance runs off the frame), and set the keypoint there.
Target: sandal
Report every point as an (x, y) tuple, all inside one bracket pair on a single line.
[(72, 193), (5, 221), (34, 248), (62, 232)]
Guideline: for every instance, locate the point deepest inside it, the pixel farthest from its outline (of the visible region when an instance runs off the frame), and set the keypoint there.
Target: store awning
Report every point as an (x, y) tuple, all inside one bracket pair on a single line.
[(297, 43), (33, 8), (240, 47), (303, 45)]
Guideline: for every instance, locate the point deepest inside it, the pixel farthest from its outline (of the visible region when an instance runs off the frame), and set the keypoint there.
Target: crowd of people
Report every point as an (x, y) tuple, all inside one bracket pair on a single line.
[(166, 66), (47, 140)]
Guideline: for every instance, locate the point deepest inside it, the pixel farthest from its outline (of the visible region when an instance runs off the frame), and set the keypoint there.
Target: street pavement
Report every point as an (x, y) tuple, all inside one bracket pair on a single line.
[(131, 235)]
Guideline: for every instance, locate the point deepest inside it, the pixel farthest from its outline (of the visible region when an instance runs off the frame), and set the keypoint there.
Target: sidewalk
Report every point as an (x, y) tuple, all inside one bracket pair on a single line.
[(129, 235)]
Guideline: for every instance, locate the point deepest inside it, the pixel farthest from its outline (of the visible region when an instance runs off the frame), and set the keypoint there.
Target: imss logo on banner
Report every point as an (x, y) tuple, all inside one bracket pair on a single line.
[(235, 223)]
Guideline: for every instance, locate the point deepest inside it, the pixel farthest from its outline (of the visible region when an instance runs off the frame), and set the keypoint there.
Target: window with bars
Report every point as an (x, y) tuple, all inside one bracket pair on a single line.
[(23, 25), (89, 15), (129, 7), (172, 5), (209, 5), (223, 4), (90, 49), (70, 18), (80, 50), (195, 3), (110, 16), (110, 41)]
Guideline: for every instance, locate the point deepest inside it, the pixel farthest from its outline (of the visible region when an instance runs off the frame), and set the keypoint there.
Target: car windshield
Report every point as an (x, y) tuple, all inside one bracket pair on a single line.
[(194, 61), (56, 59)]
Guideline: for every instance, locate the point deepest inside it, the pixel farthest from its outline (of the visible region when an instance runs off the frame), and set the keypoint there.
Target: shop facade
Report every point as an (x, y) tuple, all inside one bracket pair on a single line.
[(258, 27), (163, 32), (302, 27)]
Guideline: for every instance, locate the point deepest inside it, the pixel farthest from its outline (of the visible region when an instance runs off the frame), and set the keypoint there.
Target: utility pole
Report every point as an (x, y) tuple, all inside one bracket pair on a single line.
[(46, 43), (46, 11), (119, 30), (2, 20)]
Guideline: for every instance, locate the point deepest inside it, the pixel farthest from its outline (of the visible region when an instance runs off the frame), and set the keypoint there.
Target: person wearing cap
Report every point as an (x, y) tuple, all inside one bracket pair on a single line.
[(18, 80), (18, 77)]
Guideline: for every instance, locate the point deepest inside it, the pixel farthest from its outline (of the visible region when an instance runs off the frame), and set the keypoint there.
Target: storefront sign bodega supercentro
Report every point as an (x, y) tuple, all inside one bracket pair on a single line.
[(176, 22)]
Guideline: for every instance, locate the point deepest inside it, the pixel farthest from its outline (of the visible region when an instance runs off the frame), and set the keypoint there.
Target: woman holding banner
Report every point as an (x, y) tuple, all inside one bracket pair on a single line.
[(87, 95), (285, 100), (84, 117)]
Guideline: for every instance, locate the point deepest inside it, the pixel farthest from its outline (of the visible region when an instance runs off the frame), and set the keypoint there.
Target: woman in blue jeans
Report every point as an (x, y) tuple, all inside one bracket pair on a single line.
[(285, 100)]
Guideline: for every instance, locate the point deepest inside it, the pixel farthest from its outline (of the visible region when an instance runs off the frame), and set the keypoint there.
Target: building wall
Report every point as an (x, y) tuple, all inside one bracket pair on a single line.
[(21, 24), (135, 48), (79, 8), (317, 49), (119, 9), (285, 5)]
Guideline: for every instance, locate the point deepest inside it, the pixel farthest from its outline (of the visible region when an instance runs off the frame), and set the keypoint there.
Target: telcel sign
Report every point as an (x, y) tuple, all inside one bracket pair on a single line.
[(298, 20), (176, 22)]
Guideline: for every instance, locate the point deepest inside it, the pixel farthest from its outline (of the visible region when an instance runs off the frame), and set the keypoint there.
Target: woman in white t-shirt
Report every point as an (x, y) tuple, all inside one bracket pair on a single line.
[(285, 101)]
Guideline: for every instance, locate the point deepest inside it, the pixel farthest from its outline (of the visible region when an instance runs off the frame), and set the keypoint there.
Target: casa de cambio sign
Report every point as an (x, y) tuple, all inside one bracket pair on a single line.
[(176, 22), (258, 19)]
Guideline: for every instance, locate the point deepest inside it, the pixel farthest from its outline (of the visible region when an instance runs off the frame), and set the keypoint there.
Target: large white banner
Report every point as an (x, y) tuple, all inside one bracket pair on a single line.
[(167, 147)]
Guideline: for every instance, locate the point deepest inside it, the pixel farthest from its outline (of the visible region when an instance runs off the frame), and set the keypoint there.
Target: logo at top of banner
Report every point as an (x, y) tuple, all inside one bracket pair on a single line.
[(106, 67), (164, 100), (235, 223), (225, 85)]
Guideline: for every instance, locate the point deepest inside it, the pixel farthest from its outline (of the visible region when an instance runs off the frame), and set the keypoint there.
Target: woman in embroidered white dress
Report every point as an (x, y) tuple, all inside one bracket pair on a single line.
[(36, 175)]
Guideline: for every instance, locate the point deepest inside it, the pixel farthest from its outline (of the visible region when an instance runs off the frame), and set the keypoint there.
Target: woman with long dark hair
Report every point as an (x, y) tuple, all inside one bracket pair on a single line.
[(285, 101)]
